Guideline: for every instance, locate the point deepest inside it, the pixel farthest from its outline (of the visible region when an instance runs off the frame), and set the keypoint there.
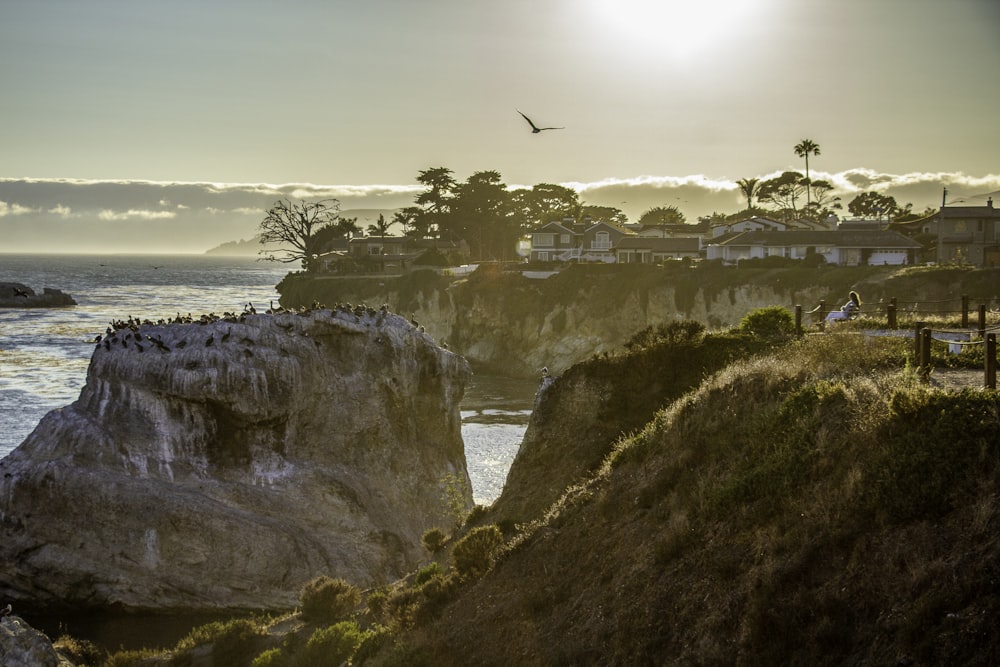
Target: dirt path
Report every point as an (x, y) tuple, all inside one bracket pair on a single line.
[(958, 378)]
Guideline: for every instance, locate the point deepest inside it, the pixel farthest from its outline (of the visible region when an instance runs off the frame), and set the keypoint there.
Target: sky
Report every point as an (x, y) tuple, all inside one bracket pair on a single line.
[(131, 125)]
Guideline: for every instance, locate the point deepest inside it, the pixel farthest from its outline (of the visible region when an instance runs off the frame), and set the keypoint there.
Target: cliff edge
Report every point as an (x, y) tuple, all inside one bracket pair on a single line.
[(222, 463)]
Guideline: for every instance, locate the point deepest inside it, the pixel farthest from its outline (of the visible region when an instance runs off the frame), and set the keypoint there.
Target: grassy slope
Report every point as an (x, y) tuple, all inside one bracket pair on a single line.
[(799, 509)]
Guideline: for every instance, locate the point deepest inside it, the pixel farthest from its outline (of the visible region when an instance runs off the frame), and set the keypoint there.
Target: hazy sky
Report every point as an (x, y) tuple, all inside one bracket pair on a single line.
[(371, 92)]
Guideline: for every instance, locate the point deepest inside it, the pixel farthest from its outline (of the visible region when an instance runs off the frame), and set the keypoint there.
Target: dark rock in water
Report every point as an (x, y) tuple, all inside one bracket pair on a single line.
[(200, 478), (16, 295)]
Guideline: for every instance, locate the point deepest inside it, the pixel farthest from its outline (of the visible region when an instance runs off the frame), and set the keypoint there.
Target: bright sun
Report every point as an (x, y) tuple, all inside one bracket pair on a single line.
[(679, 29)]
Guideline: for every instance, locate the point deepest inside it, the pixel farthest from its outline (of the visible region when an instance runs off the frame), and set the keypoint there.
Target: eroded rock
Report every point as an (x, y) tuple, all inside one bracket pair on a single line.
[(223, 464)]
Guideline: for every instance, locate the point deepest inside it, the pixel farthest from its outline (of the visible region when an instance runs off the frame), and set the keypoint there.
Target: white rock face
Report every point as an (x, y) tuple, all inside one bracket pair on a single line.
[(224, 464)]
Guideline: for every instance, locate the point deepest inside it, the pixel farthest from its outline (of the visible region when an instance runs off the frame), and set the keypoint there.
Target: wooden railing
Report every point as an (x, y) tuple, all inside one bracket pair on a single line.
[(983, 334)]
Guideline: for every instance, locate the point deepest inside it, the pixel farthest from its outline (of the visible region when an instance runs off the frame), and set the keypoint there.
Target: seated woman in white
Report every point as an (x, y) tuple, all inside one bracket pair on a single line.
[(848, 311)]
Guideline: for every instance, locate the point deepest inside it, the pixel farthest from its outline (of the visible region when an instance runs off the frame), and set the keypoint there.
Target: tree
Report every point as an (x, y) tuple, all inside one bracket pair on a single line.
[(435, 202), (545, 202), (297, 225), (482, 215), (873, 205), (823, 200), (606, 213), (749, 187), (379, 228), (805, 148), (661, 215), (782, 191), (325, 238)]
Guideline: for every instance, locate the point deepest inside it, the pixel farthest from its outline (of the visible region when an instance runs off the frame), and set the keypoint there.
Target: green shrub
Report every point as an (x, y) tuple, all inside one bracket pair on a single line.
[(473, 554), (670, 333), (770, 322), (238, 643), (425, 573), (332, 646), (133, 658), (79, 651), (270, 658), (325, 599), (434, 540)]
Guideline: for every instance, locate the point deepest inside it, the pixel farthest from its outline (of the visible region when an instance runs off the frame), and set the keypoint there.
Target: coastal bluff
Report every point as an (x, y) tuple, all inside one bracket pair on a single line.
[(221, 463), (16, 295)]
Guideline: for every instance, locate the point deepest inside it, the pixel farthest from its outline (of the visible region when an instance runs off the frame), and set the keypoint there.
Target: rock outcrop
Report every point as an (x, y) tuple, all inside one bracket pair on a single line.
[(23, 646), (16, 295), (221, 464)]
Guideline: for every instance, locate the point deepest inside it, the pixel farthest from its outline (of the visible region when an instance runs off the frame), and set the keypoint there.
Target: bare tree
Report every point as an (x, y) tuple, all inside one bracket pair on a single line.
[(297, 225)]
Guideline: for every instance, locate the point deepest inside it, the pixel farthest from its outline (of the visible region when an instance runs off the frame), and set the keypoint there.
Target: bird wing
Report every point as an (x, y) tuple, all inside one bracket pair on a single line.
[(527, 119)]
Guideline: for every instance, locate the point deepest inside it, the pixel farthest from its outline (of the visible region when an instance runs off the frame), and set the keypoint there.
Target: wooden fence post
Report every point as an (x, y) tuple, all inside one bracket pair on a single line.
[(965, 311), (925, 354), (798, 319), (891, 312), (982, 320), (822, 310), (991, 361), (916, 342)]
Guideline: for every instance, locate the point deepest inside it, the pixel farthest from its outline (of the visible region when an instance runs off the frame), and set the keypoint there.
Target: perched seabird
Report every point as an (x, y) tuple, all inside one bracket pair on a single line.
[(535, 129), (545, 371), (6, 611), (20, 292)]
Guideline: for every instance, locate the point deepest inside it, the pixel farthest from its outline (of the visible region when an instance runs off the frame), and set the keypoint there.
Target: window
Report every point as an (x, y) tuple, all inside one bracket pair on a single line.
[(544, 240), (602, 241), (564, 239)]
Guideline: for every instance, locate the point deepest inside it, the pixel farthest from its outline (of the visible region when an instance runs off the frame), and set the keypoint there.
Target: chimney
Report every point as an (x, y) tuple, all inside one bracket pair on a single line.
[(989, 203)]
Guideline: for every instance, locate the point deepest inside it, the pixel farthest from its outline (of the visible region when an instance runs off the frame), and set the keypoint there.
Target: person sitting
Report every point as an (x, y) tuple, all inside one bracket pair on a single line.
[(848, 311)]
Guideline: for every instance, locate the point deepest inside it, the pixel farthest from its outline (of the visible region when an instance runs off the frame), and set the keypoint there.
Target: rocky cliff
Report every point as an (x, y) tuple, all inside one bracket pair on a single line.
[(517, 325), (222, 463)]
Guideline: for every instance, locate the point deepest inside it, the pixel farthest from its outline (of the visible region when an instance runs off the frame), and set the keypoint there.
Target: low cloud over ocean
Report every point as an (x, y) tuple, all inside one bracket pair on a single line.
[(131, 216)]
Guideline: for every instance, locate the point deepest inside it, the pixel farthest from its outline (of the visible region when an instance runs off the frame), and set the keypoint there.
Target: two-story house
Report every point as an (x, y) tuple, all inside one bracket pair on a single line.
[(568, 241), (969, 235)]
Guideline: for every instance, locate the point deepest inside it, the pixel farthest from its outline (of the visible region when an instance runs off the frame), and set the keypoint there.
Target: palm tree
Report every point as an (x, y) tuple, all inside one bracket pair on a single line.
[(749, 188), (805, 148)]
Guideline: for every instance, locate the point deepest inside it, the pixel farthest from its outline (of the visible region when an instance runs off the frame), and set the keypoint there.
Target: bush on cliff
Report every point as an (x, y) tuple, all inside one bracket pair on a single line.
[(473, 555), (325, 599)]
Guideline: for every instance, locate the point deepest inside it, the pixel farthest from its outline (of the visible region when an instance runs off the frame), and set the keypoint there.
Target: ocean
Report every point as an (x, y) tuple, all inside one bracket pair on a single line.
[(44, 353)]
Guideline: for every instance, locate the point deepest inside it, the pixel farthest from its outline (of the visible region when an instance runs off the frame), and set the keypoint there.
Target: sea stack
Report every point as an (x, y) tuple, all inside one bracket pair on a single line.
[(188, 477)]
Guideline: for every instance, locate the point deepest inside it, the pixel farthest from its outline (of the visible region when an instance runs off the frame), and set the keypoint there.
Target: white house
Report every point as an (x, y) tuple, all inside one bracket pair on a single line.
[(838, 247)]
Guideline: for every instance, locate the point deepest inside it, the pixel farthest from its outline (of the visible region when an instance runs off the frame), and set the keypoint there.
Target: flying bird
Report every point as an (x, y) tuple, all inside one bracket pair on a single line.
[(534, 128)]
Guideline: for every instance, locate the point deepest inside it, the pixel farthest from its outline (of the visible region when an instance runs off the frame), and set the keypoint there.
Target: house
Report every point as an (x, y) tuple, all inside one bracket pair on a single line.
[(655, 250), (582, 242), (838, 247), (969, 235)]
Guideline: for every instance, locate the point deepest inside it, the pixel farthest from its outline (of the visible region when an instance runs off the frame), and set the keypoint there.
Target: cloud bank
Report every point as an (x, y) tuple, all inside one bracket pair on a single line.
[(132, 216)]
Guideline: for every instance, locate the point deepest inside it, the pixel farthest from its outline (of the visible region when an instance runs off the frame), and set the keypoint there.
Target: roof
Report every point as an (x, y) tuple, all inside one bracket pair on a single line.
[(656, 244), (842, 238), (556, 227)]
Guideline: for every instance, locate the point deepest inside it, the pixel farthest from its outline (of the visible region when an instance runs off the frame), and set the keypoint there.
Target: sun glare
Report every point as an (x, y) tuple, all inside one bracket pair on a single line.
[(682, 30)]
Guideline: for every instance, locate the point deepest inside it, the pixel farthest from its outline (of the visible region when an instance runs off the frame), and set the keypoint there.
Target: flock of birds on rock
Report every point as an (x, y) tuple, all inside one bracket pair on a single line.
[(129, 332)]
